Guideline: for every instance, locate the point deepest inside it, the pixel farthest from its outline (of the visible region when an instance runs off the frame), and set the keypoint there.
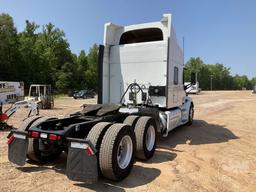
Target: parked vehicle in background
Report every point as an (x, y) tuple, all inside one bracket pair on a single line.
[(10, 92), (42, 94), (84, 94), (72, 92), (254, 89), (192, 89)]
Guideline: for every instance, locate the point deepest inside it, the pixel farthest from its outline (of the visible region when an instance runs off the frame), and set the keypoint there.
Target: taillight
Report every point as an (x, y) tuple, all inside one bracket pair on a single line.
[(3, 117), (34, 134), (53, 137), (10, 140), (89, 150)]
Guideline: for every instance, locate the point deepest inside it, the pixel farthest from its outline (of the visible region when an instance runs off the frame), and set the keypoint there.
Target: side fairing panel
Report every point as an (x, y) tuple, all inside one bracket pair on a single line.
[(175, 91)]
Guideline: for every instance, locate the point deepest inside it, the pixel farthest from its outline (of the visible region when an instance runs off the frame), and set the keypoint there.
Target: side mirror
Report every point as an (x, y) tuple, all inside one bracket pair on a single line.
[(193, 78)]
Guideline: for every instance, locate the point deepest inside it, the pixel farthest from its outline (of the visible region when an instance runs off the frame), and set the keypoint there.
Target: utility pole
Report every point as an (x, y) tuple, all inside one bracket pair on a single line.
[(211, 81)]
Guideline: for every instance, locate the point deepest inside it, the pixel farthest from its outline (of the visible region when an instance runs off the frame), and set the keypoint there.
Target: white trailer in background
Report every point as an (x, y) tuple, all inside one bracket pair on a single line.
[(11, 92), (192, 89), (141, 92)]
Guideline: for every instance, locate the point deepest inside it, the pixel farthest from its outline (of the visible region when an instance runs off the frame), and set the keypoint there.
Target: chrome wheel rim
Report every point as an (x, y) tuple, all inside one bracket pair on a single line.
[(124, 152), (150, 138)]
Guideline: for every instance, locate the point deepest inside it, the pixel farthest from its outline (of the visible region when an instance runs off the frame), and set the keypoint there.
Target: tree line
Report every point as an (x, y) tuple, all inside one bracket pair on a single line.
[(42, 55), (216, 76)]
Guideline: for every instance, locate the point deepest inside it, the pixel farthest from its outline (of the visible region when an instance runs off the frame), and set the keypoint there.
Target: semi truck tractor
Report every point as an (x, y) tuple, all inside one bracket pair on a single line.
[(141, 95)]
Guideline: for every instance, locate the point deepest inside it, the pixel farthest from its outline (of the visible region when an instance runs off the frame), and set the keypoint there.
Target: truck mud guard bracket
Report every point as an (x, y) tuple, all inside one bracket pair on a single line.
[(82, 163), (18, 147)]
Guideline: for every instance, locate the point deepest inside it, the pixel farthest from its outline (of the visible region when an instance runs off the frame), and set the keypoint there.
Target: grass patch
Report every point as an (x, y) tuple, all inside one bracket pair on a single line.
[(60, 96)]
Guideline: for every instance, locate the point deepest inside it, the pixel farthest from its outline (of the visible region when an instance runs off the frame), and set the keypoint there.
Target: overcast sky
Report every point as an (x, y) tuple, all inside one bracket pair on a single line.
[(222, 31)]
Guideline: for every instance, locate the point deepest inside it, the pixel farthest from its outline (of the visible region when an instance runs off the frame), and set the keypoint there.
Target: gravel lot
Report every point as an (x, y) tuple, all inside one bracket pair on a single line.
[(216, 153)]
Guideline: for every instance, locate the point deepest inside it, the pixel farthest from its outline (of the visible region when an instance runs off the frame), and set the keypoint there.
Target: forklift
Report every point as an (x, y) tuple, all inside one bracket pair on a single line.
[(42, 94)]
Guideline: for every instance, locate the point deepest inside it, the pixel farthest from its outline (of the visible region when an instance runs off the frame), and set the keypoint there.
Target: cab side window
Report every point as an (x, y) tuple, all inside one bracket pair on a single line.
[(176, 76)]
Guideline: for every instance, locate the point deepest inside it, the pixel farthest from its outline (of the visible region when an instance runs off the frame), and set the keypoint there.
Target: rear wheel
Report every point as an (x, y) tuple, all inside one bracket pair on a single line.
[(145, 131), (35, 154), (97, 132), (28, 122), (131, 120), (117, 152)]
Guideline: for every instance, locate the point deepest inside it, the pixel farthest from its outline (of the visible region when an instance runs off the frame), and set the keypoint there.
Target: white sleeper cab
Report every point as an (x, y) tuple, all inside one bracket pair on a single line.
[(146, 54)]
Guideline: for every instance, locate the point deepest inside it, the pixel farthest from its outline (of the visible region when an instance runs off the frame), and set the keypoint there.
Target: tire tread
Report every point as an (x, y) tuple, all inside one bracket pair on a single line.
[(139, 133), (106, 151), (131, 120), (96, 132)]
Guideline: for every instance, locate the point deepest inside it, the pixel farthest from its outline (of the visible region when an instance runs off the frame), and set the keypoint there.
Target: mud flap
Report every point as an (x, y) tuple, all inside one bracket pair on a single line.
[(82, 161), (17, 148)]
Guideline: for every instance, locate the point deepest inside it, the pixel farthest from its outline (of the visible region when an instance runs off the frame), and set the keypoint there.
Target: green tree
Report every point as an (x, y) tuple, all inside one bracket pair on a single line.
[(82, 66), (242, 82), (65, 75), (54, 51), (221, 78), (91, 71), (30, 70), (193, 65), (9, 57), (42, 55)]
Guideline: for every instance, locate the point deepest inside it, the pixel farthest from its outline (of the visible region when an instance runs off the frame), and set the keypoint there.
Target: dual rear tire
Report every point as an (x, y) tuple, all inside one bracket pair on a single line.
[(116, 146), (145, 131)]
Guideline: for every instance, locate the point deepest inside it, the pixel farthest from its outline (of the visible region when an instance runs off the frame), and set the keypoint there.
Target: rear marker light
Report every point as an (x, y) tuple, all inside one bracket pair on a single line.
[(89, 151), (34, 134), (83, 146), (53, 137), (3, 117), (10, 140)]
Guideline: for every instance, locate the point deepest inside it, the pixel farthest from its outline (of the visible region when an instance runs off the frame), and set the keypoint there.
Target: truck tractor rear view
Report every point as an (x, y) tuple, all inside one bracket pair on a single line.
[(141, 94)]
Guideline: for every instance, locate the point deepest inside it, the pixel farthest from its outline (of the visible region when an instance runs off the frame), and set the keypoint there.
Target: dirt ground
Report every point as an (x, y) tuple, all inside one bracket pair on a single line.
[(216, 153)]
